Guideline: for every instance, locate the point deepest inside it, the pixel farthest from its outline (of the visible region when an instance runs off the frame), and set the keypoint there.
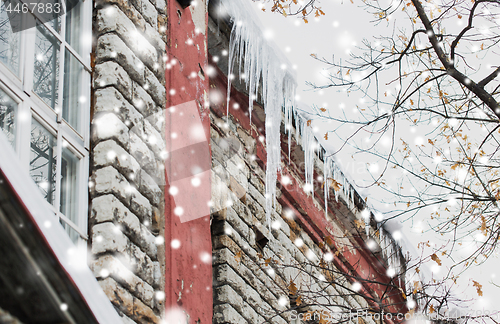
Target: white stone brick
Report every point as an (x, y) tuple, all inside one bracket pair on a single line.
[(109, 209), (225, 313), (112, 47), (155, 141), (259, 198), (107, 237), (140, 264), (142, 100), (110, 153), (140, 206), (161, 5), (237, 170), (121, 298), (141, 152), (256, 209), (108, 126), (156, 89), (239, 225), (158, 120), (149, 12), (109, 181), (154, 37), (227, 295), (111, 73), (110, 100), (108, 265), (118, 22), (150, 189)]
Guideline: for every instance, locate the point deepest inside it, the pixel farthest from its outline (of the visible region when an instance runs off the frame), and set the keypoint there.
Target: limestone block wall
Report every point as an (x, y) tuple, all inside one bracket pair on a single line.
[(247, 287), (127, 156)]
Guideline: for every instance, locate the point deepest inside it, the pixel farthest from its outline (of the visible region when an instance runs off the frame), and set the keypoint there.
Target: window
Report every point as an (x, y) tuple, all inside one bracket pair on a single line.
[(44, 107), (8, 112)]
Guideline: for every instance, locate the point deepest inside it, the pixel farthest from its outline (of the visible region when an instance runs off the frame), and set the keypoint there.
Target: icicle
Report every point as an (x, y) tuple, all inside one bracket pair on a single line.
[(308, 145), (326, 188), (261, 64)]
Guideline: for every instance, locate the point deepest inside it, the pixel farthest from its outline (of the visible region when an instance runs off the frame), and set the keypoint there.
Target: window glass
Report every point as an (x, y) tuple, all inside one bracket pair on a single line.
[(69, 185), (43, 160), (56, 22), (71, 92), (10, 42), (46, 71), (73, 235), (8, 112), (57, 79), (73, 24)]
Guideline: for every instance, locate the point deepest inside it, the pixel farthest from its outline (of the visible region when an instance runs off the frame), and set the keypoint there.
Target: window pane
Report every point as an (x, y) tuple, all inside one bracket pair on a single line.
[(43, 160), (69, 185), (73, 24), (73, 235), (71, 92), (9, 42), (46, 72), (52, 19), (8, 111)]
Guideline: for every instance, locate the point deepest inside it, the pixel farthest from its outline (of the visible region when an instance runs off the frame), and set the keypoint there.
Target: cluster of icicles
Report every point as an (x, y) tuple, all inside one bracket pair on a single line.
[(263, 67)]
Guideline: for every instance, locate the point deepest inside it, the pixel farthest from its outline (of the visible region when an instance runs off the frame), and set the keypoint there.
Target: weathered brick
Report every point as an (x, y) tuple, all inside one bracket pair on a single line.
[(108, 265), (141, 152), (121, 298), (107, 237), (142, 265), (225, 313), (144, 314), (150, 189), (227, 295), (109, 181), (109, 126), (255, 209), (141, 206), (155, 140), (158, 120), (112, 47), (109, 209), (142, 100), (156, 89), (148, 11), (110, 153), (161, 5), (111, 73), (116, 21), (110, 100)]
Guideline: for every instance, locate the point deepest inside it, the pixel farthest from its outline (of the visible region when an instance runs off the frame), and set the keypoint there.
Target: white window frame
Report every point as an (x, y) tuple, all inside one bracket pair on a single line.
[(32, 107)]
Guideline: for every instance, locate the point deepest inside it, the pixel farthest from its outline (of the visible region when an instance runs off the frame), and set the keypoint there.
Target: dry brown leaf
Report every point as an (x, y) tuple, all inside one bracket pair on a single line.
[(359, 223), (292, 288), (478, 287), (435, 258), (238, 256)]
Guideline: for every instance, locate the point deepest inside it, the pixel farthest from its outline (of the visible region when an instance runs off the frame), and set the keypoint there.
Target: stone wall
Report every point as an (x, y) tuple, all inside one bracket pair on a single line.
[(252, 280), (245, 289), (257, 265), (127, 150)]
